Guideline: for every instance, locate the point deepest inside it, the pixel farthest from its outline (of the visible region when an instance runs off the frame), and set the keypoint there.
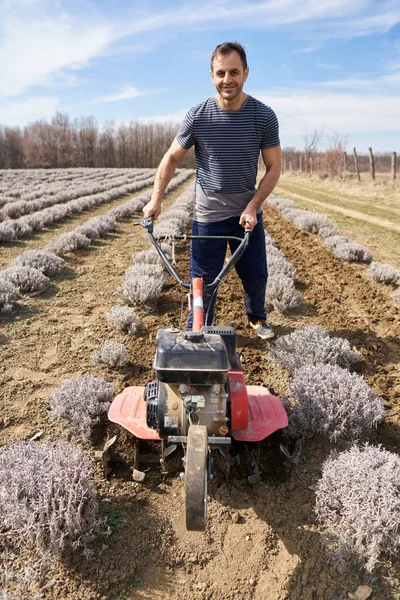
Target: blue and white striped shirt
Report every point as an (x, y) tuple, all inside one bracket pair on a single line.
[(228, 143)]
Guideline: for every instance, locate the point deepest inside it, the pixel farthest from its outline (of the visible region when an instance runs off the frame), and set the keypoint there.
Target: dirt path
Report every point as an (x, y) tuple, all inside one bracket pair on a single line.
[(345, 211), (272, 549)]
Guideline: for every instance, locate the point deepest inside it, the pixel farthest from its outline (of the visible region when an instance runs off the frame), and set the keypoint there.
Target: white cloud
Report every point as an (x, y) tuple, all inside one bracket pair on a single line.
[(42, 42), (37, 45), (389, 82), (20, 113), (343, 113), (125, 94), (331, 18)]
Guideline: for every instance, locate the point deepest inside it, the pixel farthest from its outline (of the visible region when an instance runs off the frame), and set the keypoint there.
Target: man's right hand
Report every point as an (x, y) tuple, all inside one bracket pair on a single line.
[(152, 208)]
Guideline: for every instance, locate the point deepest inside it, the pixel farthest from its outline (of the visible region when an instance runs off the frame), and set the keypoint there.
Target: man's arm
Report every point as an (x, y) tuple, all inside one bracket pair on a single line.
[(165, 173), (272, 159)]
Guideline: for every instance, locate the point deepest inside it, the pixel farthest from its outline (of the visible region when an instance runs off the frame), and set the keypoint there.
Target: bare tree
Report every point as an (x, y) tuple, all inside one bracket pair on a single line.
[(311, 140), (334, 156)]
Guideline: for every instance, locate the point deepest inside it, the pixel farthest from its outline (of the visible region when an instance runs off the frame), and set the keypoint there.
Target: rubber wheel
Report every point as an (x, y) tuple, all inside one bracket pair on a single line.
[(196, 478)]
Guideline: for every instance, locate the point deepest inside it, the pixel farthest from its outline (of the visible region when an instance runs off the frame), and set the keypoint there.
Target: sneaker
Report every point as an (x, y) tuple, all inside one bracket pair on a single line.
[(264, 331)]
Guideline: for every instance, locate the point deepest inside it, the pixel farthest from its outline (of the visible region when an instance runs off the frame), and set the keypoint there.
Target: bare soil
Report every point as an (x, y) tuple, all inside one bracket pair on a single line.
[(261, 543)]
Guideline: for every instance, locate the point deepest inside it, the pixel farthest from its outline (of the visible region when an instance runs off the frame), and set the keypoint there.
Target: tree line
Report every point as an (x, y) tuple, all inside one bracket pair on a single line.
[(334, 161), (63, 143)]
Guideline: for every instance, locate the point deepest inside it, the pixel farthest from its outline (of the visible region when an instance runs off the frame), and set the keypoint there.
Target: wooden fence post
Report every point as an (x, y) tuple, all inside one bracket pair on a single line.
[(356, 164), (393, 170), (301, 163), (371, 163), (290, 166), (345, 161)]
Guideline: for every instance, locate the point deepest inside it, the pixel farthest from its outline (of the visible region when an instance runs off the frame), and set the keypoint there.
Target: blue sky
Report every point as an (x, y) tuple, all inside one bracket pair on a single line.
[(331, 64)]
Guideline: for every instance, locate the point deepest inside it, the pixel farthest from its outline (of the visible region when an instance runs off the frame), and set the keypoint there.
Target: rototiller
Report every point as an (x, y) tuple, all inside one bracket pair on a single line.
[(199, 401)]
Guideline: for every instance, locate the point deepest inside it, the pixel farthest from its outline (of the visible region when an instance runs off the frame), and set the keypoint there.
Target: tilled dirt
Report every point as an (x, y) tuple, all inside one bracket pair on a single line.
[(261, 543)]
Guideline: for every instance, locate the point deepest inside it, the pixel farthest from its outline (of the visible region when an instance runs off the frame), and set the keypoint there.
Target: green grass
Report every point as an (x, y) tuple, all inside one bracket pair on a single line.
[(366, 206), (383, 242)]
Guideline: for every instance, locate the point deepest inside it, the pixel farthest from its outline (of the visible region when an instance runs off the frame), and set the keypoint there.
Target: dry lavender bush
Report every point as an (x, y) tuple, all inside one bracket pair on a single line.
[(111, 354), (332, 401), (342, 247), (68, 242), (315, 223), (123, 318), (358, 502), (146, 257), (47, 262), (27, 279), (9, 294), (281, 293), (278, 263), (143, 284), (383, 273), (280, 203), (46, 500), (312, 345), (82, 401), (98, 227)]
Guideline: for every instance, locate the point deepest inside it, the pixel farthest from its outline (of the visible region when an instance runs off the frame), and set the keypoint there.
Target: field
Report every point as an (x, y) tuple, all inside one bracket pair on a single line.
[(261, 543)]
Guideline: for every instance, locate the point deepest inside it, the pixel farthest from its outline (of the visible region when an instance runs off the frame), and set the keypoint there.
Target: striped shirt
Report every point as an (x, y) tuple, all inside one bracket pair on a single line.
[(227, 146)]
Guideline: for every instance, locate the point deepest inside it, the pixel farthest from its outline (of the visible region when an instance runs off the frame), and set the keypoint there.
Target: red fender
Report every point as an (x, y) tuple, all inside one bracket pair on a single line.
[(129, 410), (266, 415), (239, 400)]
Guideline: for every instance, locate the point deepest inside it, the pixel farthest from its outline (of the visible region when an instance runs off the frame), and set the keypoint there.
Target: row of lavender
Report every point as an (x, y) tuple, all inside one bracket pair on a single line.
[(31, 271), (66, 515), (327, 398), (31, 184), (340, 245), (12, 229), (39, 199)]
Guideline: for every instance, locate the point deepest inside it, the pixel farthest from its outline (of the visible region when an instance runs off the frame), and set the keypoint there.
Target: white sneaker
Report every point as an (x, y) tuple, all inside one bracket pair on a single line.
[(264, 331)]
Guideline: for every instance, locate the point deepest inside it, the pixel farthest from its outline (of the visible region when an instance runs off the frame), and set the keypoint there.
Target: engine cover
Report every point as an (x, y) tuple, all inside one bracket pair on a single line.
[(170, 406), (191, 358)]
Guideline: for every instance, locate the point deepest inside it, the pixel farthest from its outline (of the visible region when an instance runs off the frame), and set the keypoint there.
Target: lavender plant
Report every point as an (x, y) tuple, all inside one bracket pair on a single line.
[(383, 273), (68, 242), (82, 401), (98, 227), (146, 257), (358, 502), (332, 401), (280, 203), (315, 223), (27, 279), (312, 345), (334, 240), (281, 293), (47, 502), (111, 354), (9, 294), (278, 263), (342, 247), (47, 262), (352, 252), (123, 318), (7, 231), (142, 284)]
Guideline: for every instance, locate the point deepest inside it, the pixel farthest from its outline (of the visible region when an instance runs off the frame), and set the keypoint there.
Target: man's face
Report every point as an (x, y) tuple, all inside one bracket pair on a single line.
[(228, 75)]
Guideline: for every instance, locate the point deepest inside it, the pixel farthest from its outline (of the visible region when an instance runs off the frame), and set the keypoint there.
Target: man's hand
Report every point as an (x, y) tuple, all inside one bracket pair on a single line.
[(249, 214), (152, 208)]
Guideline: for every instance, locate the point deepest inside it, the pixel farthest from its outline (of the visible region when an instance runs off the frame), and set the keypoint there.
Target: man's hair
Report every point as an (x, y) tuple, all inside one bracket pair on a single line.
[(227, 48)]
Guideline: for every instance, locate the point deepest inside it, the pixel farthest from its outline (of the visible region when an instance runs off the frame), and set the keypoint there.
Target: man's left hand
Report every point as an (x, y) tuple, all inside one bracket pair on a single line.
[(250, 215)]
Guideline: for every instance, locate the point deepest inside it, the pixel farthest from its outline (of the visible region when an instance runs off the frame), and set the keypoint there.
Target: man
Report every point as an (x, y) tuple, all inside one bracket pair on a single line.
[(228, 131)]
